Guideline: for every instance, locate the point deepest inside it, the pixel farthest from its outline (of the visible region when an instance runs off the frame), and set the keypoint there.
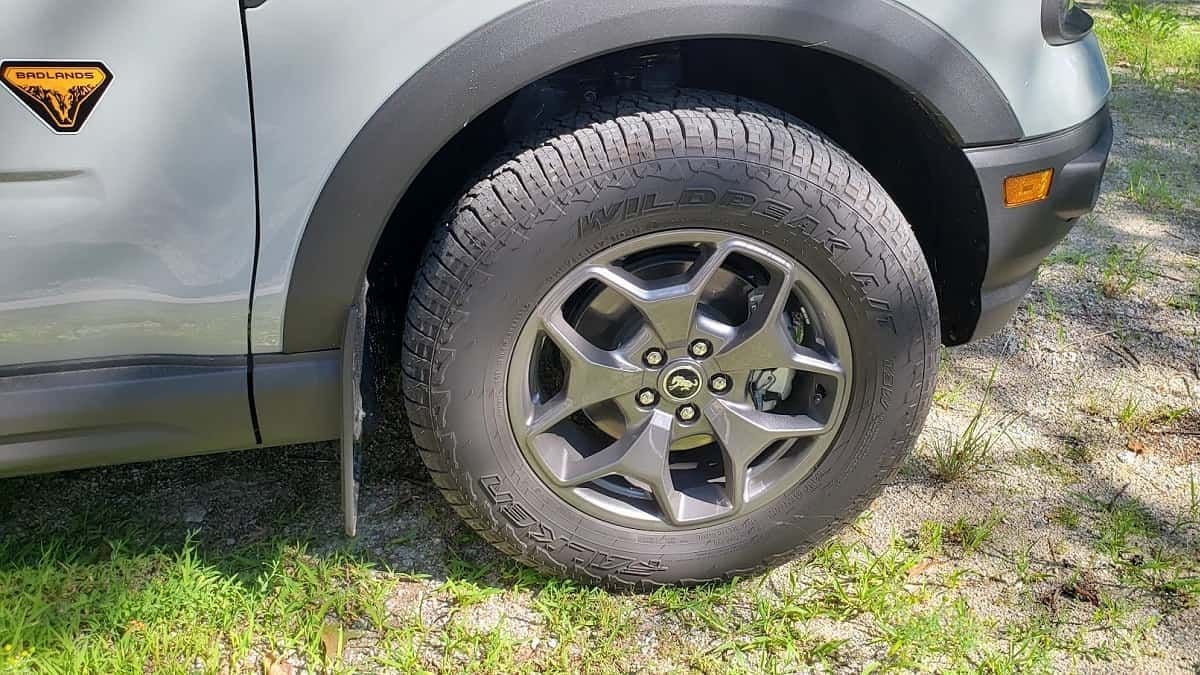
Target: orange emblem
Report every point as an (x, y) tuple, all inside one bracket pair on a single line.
[(61, 93)]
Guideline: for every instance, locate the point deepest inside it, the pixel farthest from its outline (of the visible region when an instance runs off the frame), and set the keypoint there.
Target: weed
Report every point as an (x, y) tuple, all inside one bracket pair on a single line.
[(1193, 517), (1171, 576), (588, 619), (1189, 300), (1075, 257), (1064, 515), (1133, 419), (1054, 314), (1150, 186), (701, 605), (1123, 270), (1027, 649), (947, 397), (970, 534), (1128, 417), (930, 537), (1049, 463), (463, 593), (955, 457), (1023, 565), (1154, 41)]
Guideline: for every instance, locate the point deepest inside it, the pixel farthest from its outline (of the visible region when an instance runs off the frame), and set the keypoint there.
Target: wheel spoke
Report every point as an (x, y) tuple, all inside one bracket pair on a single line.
[(670, 310), (633, 413), (548, 414), (643, 457), (810, 361), (640, 455), (763, 342), (744, 433), (711, 328), (595, 374)]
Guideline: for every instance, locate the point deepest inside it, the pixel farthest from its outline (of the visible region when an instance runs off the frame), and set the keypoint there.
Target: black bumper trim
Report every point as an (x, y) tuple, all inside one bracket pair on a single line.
[(1019, 239)]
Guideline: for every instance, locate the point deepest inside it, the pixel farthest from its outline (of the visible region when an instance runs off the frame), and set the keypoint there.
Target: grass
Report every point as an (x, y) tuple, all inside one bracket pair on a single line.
[(1123, 269), (1064, 515), (67, 609), (1135, 541), (168, 609), (1076, 258), (1189, 300), (1132, 417), (1062, 466), (972, 534), (958, 456), (1151, 186), (1153, 41), (1054, 313), (949, 396)]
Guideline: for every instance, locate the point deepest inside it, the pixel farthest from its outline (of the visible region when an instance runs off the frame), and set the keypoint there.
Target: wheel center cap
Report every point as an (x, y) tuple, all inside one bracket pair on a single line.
[(682, 382)]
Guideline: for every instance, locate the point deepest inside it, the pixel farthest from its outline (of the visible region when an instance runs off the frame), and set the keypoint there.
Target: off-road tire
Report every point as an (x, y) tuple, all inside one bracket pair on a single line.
[(546, 208)]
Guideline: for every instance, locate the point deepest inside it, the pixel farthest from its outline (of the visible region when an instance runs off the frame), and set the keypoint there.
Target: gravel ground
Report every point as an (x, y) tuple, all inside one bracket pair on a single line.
[(1094, 469)]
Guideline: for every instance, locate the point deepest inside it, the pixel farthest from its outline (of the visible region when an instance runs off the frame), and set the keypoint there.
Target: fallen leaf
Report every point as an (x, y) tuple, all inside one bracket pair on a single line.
[(333, 640), (275, 665), (920, 567), (1083, 589)]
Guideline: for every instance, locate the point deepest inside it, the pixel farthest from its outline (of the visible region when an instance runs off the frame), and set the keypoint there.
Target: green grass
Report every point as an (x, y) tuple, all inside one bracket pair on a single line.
[(1138, 544), (66, 609), (959, 456), (1067, 256), (1152, 41), (1123, 270), (1189, 300), (167, 608), (1062, 466), (972, 534), (948, 396), (1153, 186), (1133, 417)]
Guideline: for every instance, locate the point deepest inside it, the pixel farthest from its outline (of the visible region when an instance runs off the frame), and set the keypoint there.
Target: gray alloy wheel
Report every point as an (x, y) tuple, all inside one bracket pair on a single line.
[(680, 379), (668, 340)]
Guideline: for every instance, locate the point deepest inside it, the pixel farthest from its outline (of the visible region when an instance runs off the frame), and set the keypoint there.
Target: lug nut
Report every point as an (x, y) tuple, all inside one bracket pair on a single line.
[(654, 357), (687, 413), (719, 384), (647, 397), (700, 348)]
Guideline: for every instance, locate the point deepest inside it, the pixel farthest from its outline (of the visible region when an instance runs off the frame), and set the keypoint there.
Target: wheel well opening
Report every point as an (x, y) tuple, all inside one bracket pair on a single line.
[(906, 146)]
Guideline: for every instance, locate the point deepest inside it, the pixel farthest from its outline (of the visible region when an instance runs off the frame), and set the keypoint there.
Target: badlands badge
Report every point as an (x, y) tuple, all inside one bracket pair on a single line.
[(61, 93)]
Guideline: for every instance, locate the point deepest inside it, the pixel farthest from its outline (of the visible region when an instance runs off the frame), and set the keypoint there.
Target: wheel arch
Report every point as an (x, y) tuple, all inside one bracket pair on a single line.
[(476, 74)]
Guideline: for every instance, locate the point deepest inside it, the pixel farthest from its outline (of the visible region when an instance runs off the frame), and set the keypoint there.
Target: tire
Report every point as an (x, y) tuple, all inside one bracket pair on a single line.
[(765, 177)]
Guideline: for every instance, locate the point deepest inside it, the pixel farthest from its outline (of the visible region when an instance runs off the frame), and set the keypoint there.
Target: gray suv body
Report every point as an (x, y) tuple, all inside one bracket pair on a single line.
[(187, 255)]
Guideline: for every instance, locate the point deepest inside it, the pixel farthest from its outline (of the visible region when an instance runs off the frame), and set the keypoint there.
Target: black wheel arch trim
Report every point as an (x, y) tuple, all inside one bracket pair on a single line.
[(545, 36)]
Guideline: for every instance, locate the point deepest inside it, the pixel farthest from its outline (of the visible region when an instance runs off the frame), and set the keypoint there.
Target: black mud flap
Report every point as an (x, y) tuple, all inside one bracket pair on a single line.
[(353, 412)]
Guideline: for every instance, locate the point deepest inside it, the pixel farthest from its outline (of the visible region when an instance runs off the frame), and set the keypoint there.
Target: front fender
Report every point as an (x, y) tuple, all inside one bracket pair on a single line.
[(350, 106)]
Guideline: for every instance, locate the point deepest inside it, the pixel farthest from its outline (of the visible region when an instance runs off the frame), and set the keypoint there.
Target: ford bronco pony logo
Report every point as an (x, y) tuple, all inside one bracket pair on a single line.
[(683, 383)]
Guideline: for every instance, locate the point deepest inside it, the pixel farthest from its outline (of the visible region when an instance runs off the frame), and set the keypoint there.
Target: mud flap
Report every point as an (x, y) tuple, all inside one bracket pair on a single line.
[(353, 346)]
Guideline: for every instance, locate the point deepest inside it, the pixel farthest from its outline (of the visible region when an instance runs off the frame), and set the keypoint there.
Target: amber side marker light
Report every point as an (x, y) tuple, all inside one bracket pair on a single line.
[(1027, 188)]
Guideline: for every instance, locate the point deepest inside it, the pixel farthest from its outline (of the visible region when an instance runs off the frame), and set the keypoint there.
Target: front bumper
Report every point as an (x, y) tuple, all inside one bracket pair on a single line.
[(1020, 238)]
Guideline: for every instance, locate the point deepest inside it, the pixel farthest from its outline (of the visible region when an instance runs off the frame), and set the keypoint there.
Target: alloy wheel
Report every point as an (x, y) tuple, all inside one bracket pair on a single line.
[(680, 379)]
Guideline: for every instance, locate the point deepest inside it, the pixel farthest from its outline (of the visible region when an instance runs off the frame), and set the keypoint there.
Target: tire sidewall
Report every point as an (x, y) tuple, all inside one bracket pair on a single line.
[(844, 249)]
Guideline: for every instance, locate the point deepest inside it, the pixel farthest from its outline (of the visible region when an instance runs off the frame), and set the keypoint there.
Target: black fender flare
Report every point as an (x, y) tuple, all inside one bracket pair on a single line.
[(544, 36)]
